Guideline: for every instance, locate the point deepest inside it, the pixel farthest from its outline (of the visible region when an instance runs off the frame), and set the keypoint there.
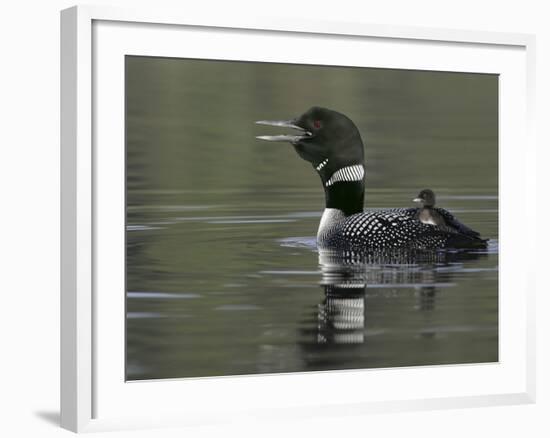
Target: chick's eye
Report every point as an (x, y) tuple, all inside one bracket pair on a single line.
[(317, 123)]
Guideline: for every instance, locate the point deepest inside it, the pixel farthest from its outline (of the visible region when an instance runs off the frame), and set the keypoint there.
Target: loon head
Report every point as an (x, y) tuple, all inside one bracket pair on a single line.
[(329, 140), (426, 198)]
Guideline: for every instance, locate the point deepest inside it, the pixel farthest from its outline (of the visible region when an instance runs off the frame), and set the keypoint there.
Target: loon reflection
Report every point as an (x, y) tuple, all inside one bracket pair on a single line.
[(347, 276)]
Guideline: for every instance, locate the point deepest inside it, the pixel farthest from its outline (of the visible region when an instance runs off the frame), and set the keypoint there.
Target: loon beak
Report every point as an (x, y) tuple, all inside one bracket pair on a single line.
[(417, 200), (285, 137)]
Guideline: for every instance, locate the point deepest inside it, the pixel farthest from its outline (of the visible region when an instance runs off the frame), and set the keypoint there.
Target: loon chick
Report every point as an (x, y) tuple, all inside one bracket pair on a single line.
[(431, 215), (331, 142), (427, 214)]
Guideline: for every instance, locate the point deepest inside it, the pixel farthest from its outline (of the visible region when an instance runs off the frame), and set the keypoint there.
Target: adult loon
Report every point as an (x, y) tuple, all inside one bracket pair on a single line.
[(331, 142), (431, 215)]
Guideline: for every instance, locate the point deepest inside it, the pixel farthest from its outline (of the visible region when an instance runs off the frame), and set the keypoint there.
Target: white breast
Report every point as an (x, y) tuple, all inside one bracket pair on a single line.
[(428, 221), (331, 217)]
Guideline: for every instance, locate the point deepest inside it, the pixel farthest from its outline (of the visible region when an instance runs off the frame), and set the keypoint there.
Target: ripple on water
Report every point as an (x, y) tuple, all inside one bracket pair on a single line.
[(308, 242), (470, 197), (141, 228), (288, 272), (154, 315), (251, 221), (143, 315), (236, 307), (161, 295)]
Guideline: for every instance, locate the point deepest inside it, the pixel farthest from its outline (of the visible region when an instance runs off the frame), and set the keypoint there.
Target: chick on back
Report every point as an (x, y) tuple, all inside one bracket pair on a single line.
[(429, 214), (426, 213)]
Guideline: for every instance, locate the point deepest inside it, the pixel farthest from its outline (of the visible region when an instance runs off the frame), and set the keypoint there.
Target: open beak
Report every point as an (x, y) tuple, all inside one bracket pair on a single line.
[(285, 137)]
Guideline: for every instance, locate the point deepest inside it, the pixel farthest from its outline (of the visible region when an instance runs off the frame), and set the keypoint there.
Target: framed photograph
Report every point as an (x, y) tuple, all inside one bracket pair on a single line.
[(278, 219)]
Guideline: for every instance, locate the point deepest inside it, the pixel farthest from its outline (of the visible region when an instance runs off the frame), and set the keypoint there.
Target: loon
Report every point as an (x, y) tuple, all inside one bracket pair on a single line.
[(331, 142), (429, 214)]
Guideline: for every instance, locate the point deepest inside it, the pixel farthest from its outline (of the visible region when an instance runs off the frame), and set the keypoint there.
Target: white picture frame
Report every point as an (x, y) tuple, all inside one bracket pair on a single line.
[(90, 401)]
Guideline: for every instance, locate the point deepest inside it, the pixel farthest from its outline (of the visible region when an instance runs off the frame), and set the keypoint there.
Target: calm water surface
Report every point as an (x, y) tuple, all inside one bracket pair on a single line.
[(223, 276), (222, 287)]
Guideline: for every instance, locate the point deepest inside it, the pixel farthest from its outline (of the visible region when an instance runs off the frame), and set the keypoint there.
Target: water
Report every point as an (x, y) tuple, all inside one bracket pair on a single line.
[(223, 275)]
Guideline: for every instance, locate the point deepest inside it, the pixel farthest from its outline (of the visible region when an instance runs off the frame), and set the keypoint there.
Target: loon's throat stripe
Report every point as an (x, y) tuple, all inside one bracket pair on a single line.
[(322, 164), (349, 173)]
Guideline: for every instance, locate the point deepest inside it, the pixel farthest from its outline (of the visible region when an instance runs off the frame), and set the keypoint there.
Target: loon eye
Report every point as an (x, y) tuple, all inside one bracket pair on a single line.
[(317, 123)]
